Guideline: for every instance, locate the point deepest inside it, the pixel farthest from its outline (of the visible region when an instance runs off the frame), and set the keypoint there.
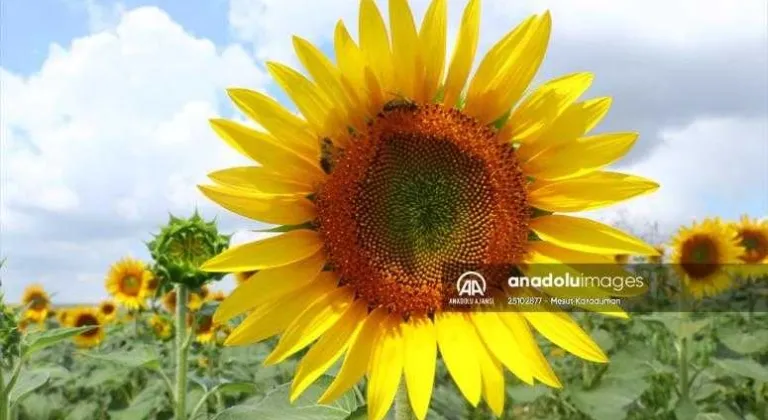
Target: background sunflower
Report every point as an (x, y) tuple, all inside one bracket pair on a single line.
[(36, 302), (704, 256), (81, 317), (127, 282)]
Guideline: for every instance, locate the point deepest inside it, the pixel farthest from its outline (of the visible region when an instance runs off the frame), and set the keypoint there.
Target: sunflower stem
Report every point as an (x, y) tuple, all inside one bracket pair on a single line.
[(181, 352), (683, 347), (402, 405)]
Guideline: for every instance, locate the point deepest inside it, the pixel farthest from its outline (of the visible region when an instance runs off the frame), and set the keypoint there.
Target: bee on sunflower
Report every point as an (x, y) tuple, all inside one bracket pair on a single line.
[(753, 237), (377, 197), (81, 317), (37, 303), (127, 282), (704, 255)]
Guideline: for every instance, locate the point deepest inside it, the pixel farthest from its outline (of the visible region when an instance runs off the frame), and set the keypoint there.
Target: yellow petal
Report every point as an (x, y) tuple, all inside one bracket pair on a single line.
[(278, 210), (375, 92), (324, 353), (517, 71), (528, 346), (505, 51), (256, 178), (432, 36), (493, 380), (560, 329), (266, 150), (355, 363), (277, 251), (588, 192), (582, 263), (349, 58), (328, 79), (316, 319), (463, 54), (374, 43), (267, 285), (385, 368), (542, 107), (580, 157), (457, 339), (575, 122), (587, 235), (406, 53), (281, 123), (276, 315), (502, 344), (420, 353), (314, 105)]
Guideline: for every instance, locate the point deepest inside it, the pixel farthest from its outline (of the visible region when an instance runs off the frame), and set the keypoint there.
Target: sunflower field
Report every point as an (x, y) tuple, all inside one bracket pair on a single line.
[(403, 171)]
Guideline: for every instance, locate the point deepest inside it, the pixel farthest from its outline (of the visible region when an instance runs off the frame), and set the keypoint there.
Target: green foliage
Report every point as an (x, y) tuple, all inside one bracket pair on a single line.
[(181, 247)]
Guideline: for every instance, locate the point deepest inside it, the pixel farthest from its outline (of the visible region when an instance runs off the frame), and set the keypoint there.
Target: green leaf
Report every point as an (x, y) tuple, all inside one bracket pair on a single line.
[(150, 400), (686, 410), (676, 325), (709, 416), (603, 339), (136, 358), (526, 393), (609, 401), (690, 328), (236, 387), (744, 367), (37, 406), (84, 411), (276, 406), (38, 340), (746, 343), (360, 414), (28, 381)]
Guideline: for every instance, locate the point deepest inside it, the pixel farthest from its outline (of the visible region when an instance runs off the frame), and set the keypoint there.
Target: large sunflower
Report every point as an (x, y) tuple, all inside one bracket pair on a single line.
[(81, 317), (127, 282), (37, 303), (753, 237), (396, 171), (703, 256)]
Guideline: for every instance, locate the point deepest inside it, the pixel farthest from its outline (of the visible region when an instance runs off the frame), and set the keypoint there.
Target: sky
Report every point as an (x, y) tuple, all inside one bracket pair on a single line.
[(104, 108)]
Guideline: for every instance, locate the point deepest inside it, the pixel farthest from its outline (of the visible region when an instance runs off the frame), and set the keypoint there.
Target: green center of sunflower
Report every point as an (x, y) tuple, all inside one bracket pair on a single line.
[(130, 285), (424, 190), (699, 257), (755, 246)]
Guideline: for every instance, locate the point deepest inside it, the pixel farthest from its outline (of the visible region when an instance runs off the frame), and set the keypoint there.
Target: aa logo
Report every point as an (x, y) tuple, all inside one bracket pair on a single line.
[(471, 283)]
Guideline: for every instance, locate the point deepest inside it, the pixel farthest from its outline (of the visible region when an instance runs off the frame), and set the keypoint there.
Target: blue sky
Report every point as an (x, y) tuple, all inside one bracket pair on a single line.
[(104, 108)]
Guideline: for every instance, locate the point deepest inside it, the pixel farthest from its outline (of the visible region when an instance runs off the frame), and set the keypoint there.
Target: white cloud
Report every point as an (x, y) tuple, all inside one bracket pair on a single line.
[(712, 167), (269, 24), (109, 135)]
